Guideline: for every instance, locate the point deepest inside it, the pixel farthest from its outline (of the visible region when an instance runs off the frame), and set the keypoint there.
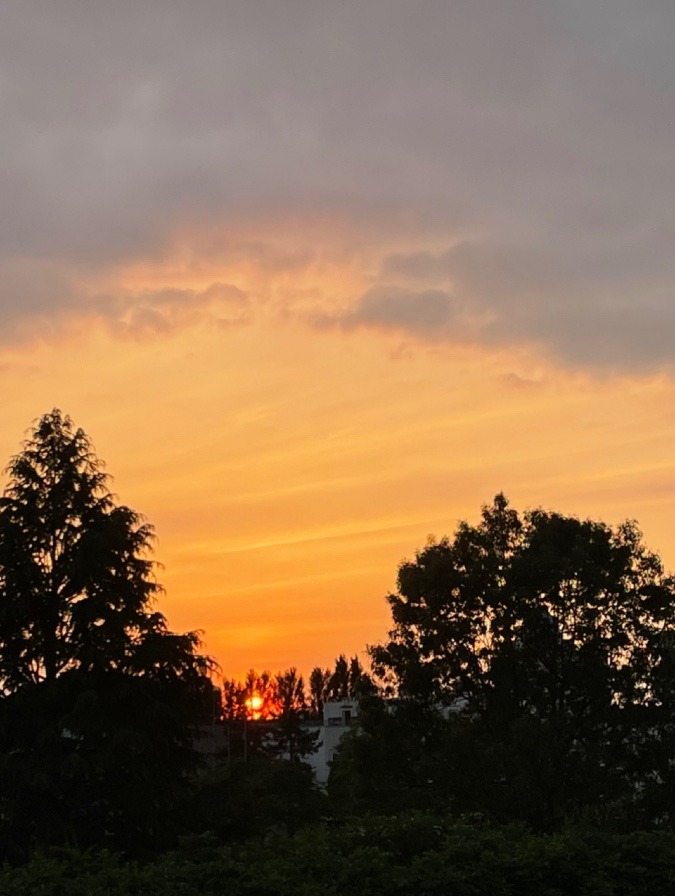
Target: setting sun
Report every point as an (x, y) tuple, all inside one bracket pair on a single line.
[(254, 706)]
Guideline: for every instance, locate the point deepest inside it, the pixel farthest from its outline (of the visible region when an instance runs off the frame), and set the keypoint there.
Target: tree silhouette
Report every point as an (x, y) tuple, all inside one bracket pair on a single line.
[(268, 713), (96, 687), (348, 680), (545, 638), (287, 735)]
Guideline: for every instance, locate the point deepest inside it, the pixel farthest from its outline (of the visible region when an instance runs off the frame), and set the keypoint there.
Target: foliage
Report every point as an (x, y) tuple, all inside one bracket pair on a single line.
[(96, 689), (389, 762), (542, 645), (377, 856), (243, 799)]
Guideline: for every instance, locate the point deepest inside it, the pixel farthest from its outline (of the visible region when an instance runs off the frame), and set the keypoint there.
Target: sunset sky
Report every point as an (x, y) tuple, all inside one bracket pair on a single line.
[(320, 278)]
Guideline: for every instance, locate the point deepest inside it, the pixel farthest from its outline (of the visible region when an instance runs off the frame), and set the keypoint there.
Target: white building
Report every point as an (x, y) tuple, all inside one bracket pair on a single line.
[(338, 717)]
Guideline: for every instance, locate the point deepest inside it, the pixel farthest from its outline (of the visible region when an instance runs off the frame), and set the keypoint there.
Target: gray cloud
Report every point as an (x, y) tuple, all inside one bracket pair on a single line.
[(430, 314), (39, 301), (607, 303), (540, 135), (156, 311), (424, 313), (35, 295)]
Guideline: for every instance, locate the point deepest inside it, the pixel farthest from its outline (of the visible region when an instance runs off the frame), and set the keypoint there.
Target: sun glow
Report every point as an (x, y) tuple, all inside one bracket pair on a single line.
[(254, 705)]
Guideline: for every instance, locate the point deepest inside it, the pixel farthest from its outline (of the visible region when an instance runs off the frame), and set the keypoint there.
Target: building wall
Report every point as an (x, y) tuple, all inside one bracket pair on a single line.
[(338, 717)]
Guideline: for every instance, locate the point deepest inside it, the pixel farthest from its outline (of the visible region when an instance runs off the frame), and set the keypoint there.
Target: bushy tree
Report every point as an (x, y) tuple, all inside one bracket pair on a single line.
[(543, 641), (98, 693)]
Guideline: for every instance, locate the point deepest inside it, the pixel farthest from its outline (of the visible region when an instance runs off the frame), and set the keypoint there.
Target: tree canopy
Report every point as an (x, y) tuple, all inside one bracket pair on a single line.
[(541, 646), (538, 612)]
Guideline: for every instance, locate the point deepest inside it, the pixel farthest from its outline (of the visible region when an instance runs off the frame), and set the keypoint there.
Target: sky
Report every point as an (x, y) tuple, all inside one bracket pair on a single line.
[(320, 278)]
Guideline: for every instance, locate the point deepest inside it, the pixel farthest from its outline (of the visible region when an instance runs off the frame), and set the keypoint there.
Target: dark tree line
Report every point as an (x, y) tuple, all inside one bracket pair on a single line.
[(264, 695), (281, 711), (347, 680)]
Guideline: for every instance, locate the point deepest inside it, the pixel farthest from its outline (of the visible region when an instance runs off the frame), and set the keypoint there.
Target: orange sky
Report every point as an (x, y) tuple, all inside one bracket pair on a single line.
[(288, 471), (319, 279)]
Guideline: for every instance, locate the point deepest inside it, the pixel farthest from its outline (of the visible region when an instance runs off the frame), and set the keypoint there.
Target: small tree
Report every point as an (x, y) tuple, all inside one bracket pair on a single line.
[(98, 692)]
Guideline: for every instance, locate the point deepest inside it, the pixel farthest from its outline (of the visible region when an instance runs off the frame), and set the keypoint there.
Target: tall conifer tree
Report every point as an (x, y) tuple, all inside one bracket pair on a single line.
[(98, 695)]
